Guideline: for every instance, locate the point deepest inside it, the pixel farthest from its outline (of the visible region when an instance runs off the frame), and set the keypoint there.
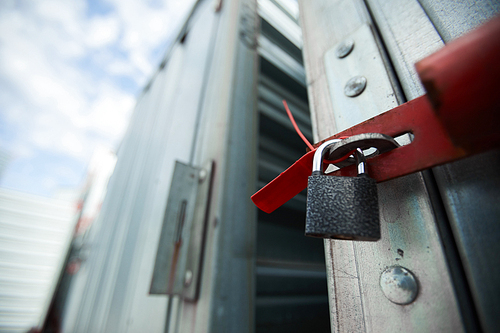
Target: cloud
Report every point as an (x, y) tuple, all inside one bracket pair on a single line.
[(109, 112), (102, 31), (69, 73)]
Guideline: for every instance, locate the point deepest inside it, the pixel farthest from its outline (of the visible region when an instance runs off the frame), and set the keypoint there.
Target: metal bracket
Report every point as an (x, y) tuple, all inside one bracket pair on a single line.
[(180, 250), (357, 78)]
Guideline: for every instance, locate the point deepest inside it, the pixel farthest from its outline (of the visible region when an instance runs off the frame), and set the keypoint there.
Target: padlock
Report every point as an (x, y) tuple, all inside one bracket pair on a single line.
[(342, 207)]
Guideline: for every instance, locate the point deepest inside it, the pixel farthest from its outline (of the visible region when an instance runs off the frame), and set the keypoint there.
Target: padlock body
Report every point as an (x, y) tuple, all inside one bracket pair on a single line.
[(342, 208)]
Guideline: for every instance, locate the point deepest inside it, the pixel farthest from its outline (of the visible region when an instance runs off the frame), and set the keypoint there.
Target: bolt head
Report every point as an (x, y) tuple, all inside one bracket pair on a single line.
[(355, 86), (188, 278), (399, 285), (344, 48), (202, 175)]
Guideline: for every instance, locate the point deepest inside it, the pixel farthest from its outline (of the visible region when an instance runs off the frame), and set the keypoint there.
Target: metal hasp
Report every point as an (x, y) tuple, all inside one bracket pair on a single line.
[(180, 251), (380, 142), (458, 117), (294, 179)]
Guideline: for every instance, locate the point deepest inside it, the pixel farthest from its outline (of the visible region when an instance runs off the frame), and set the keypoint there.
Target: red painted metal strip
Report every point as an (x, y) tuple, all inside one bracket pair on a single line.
[(462, 81), (284, 187), (463, 84), (431, 145)]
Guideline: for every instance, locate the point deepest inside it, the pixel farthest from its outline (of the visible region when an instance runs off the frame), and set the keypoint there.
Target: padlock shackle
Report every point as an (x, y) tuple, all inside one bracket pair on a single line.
[(360, 162), (319, 155), (320, 152)]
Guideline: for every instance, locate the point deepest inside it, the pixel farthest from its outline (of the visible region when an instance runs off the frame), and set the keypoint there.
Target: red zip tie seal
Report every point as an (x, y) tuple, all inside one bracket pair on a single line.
[(291, 181)]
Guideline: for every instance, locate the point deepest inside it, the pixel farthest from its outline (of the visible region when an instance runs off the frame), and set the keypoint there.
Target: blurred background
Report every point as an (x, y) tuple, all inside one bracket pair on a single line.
[(102, 103), (70, 72)]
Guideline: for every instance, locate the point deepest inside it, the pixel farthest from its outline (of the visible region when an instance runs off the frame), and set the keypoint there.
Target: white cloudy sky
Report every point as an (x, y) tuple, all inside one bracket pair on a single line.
[(69, 74)]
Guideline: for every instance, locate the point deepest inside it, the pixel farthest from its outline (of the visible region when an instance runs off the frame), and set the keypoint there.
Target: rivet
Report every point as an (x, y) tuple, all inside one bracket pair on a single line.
[(355, 86), (188, 278), (202, 175), (344, 48), (399, 285)]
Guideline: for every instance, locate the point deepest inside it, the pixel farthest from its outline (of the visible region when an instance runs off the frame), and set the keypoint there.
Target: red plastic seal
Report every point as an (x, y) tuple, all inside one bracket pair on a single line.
[(287, 185)]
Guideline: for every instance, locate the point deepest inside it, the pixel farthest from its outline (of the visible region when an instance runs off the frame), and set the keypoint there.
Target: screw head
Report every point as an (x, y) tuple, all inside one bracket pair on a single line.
[(399, 285), (202, 175), (355, 86), (188, 278), (344, 48)]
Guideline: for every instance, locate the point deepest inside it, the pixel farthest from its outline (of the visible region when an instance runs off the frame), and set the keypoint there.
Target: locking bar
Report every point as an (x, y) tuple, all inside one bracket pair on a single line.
[(457, 118)]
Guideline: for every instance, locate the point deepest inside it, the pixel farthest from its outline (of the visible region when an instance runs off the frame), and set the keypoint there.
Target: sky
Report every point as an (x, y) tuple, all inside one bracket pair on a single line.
[(70, 71)]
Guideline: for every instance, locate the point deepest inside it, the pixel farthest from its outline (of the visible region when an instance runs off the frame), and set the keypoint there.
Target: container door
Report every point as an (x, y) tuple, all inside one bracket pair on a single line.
[(438, 226)]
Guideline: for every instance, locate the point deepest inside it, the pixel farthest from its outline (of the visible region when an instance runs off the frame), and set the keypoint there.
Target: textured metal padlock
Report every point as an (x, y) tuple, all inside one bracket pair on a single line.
[(342, 207)]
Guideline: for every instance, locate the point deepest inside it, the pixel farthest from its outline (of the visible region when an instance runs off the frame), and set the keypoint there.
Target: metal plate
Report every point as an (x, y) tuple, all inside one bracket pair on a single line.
[(178, 260), (194, 259), (364, 61)]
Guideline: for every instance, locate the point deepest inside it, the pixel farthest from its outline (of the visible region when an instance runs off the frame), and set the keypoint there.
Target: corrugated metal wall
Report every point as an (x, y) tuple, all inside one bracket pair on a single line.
[(291, 293), (112, 292), (202, 106), (35, 233)]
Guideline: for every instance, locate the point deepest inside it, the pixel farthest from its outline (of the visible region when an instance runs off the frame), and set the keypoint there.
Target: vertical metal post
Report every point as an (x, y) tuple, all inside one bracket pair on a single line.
[(410, 238)]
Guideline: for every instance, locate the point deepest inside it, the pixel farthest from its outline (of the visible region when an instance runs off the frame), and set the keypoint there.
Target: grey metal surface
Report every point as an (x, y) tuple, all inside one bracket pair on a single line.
[(290, 7), (357, 303), (409, 36), (399, 285), (169, 271), (469, 188), (194, 260), (228, 136), (471, 192), (202, 105), (113, 295), (290, 274), (35, 233), (177, 266), (455, 18), (272, 95), (281, 59), (285, 24), (372, 145)]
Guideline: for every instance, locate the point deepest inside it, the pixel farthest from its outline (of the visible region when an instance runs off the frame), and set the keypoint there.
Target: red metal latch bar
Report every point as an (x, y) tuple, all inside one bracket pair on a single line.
[(458, 117)]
